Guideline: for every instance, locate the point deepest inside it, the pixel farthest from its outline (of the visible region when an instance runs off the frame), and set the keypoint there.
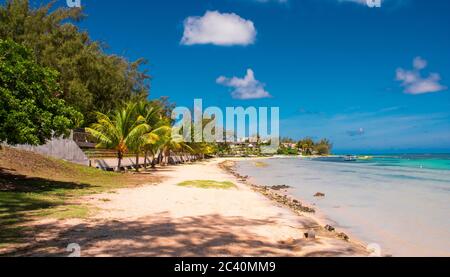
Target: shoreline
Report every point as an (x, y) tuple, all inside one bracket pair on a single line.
[(282, 196), (386, 206)]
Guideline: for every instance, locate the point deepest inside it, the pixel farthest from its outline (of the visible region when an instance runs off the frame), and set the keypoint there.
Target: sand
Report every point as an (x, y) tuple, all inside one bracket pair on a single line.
[(167, 220)]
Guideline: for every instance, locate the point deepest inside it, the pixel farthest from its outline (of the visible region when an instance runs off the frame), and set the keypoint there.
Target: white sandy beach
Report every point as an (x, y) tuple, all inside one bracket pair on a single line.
[(169, 220)]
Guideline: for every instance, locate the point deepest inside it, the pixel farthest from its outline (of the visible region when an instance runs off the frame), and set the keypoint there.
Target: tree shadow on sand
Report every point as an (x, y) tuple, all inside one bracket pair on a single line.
[(161, 235)]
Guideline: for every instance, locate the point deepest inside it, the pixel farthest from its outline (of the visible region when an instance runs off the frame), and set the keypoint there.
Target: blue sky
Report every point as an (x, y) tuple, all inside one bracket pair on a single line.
[(370, 79)]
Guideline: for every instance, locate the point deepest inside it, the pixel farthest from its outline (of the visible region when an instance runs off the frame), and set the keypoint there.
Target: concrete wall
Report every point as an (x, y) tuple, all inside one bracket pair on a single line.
[(59, 148)]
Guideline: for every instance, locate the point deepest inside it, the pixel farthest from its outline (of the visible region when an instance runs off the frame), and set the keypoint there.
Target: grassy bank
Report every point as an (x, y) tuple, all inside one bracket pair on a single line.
[(33, 187)]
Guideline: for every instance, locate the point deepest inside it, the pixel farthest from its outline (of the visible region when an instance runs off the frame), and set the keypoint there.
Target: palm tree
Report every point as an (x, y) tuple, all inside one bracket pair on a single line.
[(151, 114), (203, 149), (307, 146), (120, 131), (155, 116), (172, 143)]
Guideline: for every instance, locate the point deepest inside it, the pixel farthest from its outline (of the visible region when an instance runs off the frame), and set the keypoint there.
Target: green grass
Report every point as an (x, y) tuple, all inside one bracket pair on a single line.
[(261, 164), (66, 212), (33, 187), (208, 184)]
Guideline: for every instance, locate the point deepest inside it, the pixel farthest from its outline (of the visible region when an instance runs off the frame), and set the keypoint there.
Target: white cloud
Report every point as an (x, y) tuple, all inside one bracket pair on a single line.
[(419, 63), (414, 83), (217, 28), (245, 88)]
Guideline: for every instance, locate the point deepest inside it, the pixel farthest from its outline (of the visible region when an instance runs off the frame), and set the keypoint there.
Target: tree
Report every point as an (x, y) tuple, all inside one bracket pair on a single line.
[(323, 147), (287, 140), (151, 114), (121, 131), (90, 80), (170, 142), (307, 146), (30, 111)]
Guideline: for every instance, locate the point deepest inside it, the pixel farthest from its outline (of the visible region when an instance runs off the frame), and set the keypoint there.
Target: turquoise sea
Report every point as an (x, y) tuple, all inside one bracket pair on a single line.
[(400, 202), (422, 161)]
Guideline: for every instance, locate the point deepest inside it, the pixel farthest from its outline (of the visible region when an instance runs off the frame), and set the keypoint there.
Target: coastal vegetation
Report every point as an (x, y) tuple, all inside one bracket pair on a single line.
[(89, 79), (133, 127), (56, 79), (305, 147)]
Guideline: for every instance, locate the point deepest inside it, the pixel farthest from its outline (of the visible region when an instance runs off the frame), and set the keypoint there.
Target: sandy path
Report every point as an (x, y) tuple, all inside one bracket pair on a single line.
[(168, 220)]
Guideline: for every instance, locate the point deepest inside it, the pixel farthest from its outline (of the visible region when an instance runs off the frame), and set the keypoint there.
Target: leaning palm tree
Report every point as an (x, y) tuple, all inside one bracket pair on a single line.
[(120, 131)]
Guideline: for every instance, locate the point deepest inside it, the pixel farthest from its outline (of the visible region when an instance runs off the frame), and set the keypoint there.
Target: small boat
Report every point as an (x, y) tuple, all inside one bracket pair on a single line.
[(350, 159)]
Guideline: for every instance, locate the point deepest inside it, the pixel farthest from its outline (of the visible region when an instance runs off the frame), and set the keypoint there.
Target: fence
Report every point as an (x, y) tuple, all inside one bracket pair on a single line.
[(59, 148)]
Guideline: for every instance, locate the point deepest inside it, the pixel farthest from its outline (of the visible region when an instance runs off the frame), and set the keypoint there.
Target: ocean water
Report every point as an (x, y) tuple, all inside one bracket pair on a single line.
[(401, 203), (417, 161)]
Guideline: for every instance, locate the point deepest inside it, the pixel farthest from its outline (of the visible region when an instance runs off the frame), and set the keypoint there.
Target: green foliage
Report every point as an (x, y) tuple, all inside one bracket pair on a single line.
[(122, 131), (323, 147), (309, 147), (287, 151), (287, 140), (223, 148), (90, 80), (31, 112)]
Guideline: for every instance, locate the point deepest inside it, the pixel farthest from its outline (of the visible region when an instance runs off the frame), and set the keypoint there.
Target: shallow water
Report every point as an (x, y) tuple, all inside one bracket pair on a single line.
[(405, 209)]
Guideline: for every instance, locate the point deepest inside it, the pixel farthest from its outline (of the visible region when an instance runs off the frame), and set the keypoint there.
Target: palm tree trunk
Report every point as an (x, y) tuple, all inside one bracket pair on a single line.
[(137, 161), (119, 161), (160, 158), (145, 159), (153, 161), (168, 157)]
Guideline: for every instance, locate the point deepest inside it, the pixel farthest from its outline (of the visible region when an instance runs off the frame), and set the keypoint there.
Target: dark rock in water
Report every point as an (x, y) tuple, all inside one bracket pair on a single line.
[(280, 187), (319, 194), (343, 236), (330, 228)]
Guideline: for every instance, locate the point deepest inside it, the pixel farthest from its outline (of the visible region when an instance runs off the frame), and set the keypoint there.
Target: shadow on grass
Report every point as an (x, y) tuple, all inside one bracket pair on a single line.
[(20, 196), (14, 208), (12, 182)]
